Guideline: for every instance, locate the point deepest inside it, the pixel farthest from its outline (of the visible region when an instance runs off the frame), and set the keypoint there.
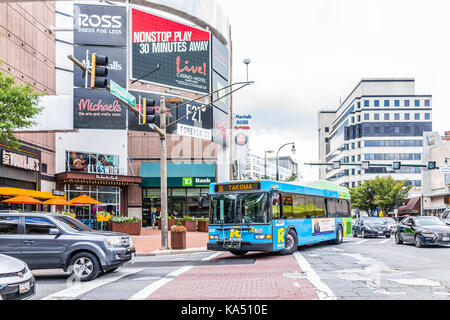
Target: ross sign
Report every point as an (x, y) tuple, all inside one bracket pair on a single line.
[(122, 94), (97, 109), (242, 121), (194, 132), (99, 24), (182, 51), (243, 186), (117, 67), (18, 160)]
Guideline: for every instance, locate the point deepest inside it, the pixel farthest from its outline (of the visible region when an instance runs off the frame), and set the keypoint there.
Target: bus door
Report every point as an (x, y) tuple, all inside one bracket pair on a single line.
[(278, 225)]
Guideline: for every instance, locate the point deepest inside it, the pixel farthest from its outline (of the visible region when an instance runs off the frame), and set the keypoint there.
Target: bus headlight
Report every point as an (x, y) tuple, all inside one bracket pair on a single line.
[(213, 237)]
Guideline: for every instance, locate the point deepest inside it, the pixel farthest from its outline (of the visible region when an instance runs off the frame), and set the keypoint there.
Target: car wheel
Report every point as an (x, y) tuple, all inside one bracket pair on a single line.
[(397, 238), (84, 266), (363, 234), (418, 241), (291, 243), (238, 252), (339, 236), (355, 235), (388, 236)]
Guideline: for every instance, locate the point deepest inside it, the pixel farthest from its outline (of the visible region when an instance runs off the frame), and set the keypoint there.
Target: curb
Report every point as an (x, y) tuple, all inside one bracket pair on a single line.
[(172, 252)]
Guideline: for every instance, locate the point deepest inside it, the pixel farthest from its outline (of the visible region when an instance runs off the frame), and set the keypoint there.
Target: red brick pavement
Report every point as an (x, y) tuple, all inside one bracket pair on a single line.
[(150, 240), (271, 277)]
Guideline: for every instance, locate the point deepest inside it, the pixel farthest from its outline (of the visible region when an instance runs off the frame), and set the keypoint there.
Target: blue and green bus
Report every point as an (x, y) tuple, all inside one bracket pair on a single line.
[(264, 215)]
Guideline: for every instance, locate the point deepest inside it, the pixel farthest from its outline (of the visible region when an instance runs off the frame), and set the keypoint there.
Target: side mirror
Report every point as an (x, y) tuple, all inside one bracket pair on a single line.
[(275, 199), (54, 231), (447, 222)]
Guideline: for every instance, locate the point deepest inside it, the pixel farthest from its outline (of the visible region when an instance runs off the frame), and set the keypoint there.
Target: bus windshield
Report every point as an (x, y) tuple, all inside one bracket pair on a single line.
[(239, 208)]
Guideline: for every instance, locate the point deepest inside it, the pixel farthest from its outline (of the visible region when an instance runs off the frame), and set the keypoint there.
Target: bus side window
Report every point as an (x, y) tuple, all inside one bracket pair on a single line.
[(319, 205), (288, 212), (276, 206), (299, 206), (309, 206), (331, 207)]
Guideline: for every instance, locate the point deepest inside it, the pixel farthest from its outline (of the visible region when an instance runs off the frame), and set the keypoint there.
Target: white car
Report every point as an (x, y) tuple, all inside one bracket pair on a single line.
[(16, 280)]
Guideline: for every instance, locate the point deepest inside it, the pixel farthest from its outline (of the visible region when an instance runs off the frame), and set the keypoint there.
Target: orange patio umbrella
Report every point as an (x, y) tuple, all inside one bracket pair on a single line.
[(58, 201), (23, 200), (83, 199)]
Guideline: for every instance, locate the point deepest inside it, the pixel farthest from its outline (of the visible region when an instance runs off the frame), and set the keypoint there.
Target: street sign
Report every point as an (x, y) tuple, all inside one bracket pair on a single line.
[(122, 94), (444, 169)]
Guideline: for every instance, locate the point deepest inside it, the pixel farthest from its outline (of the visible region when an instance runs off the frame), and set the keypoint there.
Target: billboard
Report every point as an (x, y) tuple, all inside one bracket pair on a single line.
[(99, 24), (181, 51), (97, 109), (220, 58), (221, 127), (201, 118), (117, 67)]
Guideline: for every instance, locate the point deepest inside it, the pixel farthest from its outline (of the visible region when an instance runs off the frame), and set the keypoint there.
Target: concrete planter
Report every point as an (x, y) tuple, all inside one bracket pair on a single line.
[(178, 240), (189, 224), (202, 226), (131, 228)]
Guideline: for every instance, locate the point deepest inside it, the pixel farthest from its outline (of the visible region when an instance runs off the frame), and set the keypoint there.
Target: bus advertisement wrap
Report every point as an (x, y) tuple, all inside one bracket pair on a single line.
[(323, 226)]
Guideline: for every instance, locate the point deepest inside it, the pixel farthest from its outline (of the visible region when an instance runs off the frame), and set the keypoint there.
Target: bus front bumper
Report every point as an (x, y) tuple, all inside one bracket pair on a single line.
[(243, 246)]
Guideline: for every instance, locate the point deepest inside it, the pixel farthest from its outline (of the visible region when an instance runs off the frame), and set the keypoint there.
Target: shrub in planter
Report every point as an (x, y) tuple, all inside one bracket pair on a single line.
[(178, 237), (190, 223), (202, 224), (131, 226)]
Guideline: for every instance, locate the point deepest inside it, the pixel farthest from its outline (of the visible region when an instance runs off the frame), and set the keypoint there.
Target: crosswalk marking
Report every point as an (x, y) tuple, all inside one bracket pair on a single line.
[(212, 256), (84, 287), (148, 290)]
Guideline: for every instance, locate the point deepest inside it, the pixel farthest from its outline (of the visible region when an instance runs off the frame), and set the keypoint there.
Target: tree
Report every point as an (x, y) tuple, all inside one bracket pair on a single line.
[(382, 193), (293, 177), (18, 107)]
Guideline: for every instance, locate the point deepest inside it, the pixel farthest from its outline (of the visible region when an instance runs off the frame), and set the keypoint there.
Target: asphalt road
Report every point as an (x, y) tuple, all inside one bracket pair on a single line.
[(356, 269)]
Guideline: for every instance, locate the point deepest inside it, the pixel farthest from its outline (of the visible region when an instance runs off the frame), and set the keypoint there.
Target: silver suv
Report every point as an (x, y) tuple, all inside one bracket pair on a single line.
[(54, 241)]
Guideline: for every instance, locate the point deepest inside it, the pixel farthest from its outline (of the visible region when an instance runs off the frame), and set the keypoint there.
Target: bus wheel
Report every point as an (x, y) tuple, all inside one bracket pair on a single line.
[(339, 235), (291, 243), (238, 252)]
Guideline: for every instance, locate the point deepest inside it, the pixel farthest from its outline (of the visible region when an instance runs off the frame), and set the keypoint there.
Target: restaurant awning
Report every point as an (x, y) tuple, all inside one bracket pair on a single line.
[(179, 174), (8, 191), (411, 207)]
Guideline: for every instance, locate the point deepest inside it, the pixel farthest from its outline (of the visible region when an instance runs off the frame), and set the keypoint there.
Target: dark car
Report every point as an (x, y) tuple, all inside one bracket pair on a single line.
[(53, 241), (445, 216), (391, 223), (423, 230), (371, 227)]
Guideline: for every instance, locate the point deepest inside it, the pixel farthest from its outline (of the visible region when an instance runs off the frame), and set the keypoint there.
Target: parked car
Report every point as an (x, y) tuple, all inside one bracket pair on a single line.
[(371, 227), (423, 230), (391, 223), (16, 279), (53, 241), (445, 216)]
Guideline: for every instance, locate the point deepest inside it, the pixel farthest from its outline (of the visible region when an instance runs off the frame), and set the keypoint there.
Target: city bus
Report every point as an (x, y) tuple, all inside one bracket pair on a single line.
[(264, 215)]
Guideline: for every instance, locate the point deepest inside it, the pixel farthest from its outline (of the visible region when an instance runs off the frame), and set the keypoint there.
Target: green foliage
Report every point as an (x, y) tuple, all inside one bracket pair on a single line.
[(188, 218), (383, 193), (18, 106), (293, 177), (121, 219), (202, 219)]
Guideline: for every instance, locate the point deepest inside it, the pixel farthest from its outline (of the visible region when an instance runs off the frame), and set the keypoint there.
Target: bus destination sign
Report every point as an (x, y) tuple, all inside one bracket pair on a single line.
[(241, 186)]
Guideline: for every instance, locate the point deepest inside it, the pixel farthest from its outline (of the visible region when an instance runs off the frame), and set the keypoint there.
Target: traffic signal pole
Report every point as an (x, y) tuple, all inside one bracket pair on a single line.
[(163, 175)]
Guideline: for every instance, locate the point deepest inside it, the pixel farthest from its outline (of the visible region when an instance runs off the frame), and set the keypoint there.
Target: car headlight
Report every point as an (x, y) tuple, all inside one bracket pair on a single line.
[(429, 234), (114, 241), (367, 228)]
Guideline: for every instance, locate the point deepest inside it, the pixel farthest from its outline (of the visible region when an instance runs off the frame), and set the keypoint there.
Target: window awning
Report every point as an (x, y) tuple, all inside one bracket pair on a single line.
[(179, 174), (8, 191)]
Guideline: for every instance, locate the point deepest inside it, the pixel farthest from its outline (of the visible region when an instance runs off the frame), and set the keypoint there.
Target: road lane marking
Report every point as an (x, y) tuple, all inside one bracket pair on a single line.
[(385, 241), (322, 290), (417, 282), (362, 241), (215, 254), (84, 287), (148, 290)]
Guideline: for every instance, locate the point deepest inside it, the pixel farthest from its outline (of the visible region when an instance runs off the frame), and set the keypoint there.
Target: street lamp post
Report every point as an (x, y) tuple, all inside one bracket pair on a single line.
[(265, 162), (293, 151)]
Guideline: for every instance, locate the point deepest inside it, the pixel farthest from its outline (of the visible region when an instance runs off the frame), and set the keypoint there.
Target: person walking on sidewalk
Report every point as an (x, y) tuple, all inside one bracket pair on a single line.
[(153, 217)]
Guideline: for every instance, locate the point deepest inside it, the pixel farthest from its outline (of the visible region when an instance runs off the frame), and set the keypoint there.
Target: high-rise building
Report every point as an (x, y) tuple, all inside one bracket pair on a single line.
[(380, 121)]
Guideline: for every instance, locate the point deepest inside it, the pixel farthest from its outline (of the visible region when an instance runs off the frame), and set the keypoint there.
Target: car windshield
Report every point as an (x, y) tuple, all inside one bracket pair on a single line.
[(429, 221), (239, 208), (72, 223), (372, 220), (388, 220)]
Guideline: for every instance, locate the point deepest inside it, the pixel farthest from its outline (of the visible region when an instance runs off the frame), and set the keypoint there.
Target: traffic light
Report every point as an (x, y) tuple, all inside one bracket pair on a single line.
[(396, 165), (148, 112), (99, 71), (431, 165)]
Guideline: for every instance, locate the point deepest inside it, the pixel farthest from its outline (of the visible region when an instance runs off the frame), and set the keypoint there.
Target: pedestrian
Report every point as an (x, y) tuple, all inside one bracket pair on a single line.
[(153, 217)]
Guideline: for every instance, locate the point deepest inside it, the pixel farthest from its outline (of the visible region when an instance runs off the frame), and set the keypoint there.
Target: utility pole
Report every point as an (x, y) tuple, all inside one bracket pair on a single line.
[(163, 174)]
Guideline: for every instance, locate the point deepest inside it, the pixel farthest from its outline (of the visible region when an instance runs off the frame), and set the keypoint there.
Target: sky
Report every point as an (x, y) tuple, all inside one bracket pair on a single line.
[(306, 56)]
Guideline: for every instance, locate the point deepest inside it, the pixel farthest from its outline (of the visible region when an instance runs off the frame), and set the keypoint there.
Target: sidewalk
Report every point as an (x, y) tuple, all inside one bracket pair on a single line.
[(148, 243)]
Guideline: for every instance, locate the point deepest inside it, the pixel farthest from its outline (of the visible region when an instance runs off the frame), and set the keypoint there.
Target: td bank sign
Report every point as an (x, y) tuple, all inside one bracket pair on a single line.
[(196, 182)]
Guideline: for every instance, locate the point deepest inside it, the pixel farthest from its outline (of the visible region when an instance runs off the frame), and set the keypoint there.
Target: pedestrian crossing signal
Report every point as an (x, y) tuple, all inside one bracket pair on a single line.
[(396, 165), (431, 165)]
